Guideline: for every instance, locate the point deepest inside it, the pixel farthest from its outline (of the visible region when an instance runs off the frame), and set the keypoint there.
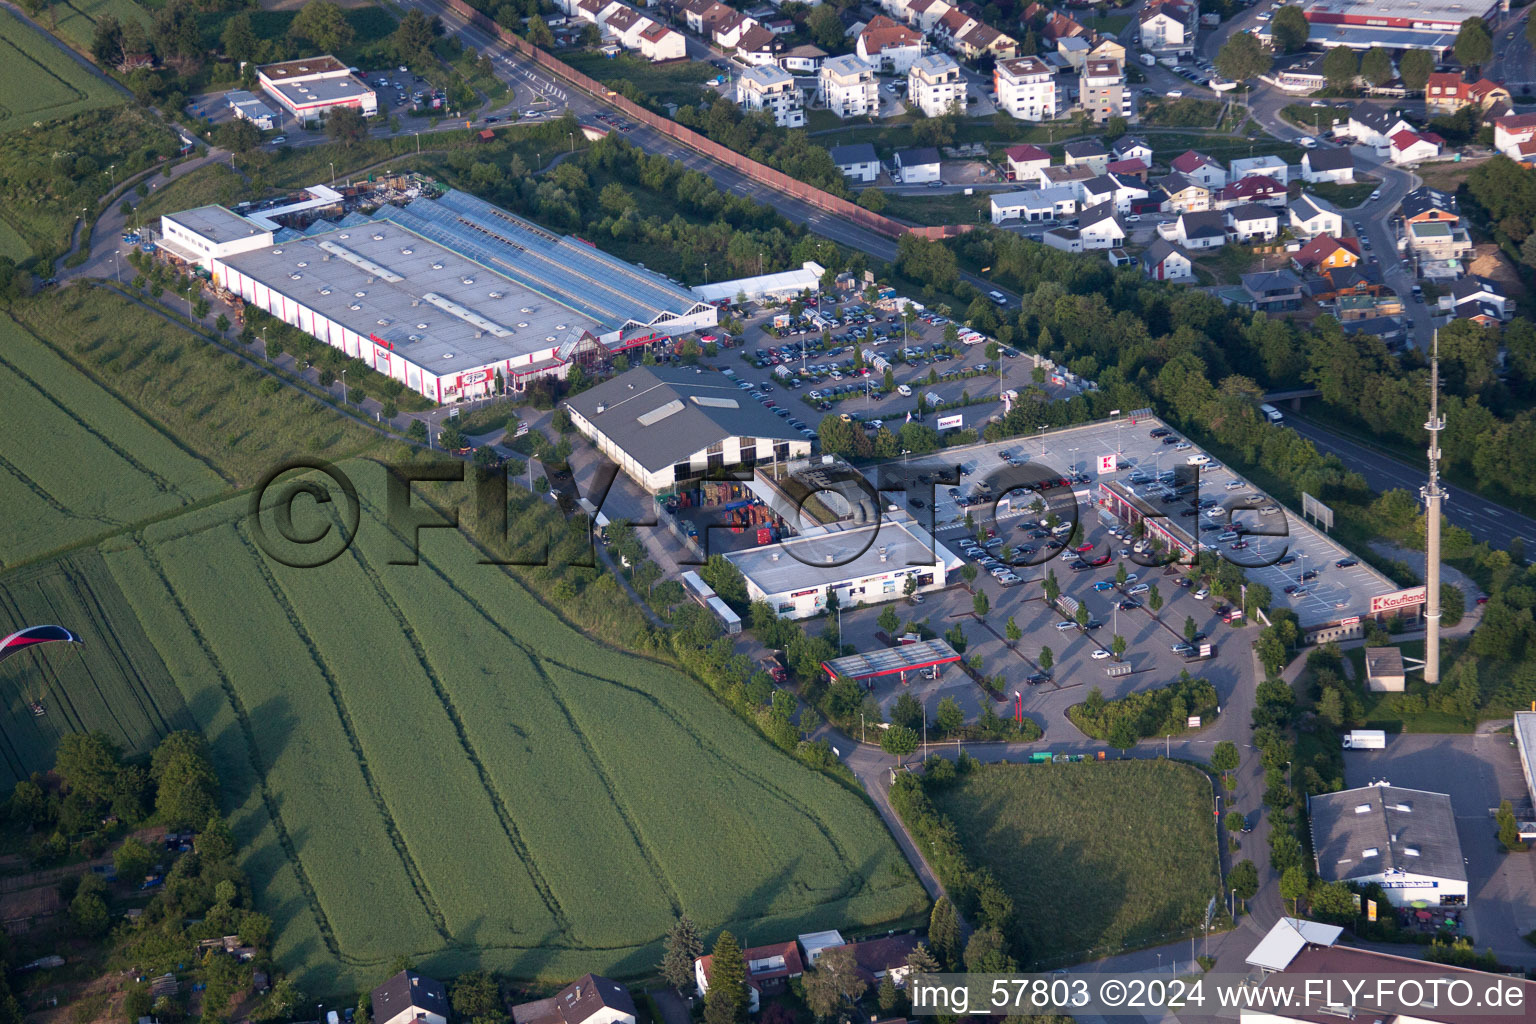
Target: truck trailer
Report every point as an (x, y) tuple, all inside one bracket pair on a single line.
[(1365, 739)]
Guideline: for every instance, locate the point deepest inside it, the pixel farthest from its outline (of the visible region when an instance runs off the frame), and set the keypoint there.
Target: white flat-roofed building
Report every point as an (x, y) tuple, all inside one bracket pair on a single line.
[(1401, 20), (669, 425), (846, 86), (1403, 840), (1525, 740), (1102, 92), (771, 89), (248, 107), (311, 88), (1268, 166), (207, 233), (410, 293), (934, 84), (786, 284), (866, 563), (1035, 204), (1026, 88)]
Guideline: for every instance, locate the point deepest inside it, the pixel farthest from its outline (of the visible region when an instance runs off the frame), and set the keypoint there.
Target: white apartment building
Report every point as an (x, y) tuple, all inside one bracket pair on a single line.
[(846, 86), (771, 89), (1026, 88), (934, 84), (1102, 92)]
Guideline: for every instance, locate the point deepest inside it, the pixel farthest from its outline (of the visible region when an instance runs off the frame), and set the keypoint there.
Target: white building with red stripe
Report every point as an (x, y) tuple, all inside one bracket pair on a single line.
[(310, 89)]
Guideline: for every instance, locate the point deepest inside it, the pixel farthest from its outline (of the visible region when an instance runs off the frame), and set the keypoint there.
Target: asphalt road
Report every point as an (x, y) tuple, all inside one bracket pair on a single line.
[(1483, 519)]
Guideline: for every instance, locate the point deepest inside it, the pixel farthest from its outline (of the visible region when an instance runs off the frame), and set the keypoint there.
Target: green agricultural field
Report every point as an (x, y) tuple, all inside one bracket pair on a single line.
[(1098, 858), (40, 82), (113, 682), (399, 742), (226, 414), (12, 244), (75, 20), (78, 463)]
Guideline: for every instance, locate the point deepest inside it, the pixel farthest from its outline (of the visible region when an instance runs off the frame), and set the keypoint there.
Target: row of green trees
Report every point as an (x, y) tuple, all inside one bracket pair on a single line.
[(1162, 711)]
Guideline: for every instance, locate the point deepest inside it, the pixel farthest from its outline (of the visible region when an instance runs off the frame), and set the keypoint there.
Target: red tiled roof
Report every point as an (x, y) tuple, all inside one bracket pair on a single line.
[(882, 33), (1020, 154), (1134, 166), (1190, 161), (1516, 122), (790, 951)]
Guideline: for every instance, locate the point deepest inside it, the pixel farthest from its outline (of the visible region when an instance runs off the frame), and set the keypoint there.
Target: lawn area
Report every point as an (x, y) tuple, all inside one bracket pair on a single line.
[(120, 468), (1098, 857), (219, 414), (457, 723), (40, 82), (679, 82), (12, 244), (1111, 23), (1168, 145), (1384, 710), (941, 208), (1318, 119), (1345, 197), (1228, 263), (213, 183)]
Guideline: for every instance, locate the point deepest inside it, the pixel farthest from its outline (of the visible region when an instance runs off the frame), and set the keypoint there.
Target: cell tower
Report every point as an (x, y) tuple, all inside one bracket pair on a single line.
[(1433, 494)]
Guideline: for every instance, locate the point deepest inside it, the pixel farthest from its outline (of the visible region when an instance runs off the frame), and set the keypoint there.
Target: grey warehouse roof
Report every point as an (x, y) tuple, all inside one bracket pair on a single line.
[(1379, 829), (320, 90), (216, 224), (663, 415), (613, 293), (436, 308)]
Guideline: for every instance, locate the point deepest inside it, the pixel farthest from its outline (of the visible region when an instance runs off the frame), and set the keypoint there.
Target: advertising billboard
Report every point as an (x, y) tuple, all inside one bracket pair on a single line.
[(1397, 600), (954, 422)]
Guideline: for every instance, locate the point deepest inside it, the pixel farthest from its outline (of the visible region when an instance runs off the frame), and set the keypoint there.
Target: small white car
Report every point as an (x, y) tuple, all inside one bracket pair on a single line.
[(1062, 627), (1100, 654), (1201, 594), (1269, 510), (1131, 577)]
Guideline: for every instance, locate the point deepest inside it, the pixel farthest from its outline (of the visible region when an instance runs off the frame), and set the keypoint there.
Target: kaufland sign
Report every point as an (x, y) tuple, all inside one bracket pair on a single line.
[(1397, 600)]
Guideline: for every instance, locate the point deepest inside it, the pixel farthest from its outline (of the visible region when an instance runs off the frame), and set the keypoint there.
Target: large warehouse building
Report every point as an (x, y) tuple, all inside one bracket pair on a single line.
[(310, 89), (1392, 24), (1404, 840), (668, 425), (443, 294)]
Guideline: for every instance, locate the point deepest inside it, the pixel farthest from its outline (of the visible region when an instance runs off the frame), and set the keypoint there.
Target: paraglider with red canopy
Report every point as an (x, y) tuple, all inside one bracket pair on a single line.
[(33, 636)]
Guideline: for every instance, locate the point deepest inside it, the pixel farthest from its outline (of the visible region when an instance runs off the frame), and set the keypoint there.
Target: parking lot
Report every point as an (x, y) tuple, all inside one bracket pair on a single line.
[(1303, 568), (1476, 772)]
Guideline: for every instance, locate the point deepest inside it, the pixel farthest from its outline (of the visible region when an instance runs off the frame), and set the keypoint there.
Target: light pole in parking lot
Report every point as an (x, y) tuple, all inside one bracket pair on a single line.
[(1288, 776)]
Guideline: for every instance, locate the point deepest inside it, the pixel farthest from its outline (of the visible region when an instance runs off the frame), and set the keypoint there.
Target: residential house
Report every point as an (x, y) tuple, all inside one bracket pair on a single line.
[(1438, 240), (1107, 47), (1129, 169), (1272, 290), (925, 14), (1100, 227), (1515, 135), (1325, 253), (935, 86), (1473, 296), (1392, 331), (1026, 88), (1072, 177), (1129, 147), (1336, 165), (1448, 92), (1184, 196), (1169, 26), (1088, 153), (771, 89), (769, 971), (1165, 261), (885, 957), (1256, 188), (1035, 204), (846, 86), (886, 46), (1025, 162), (982, 39), (1204, 230), (1425, 204), (758, 46), (1199, 167), (1124, 193), (1483, 314), (1253, 223), (813, 944), (1074, 51), (1370, 125), (1412, 147), (953, 24), (917, 166), (1268, 166), (858, 162), (802, 60), (409, 998), (1311, 216), (1361, 279), (1102, 93), (780, 26), (701, 16), (659, 43), (729, 29), (1060, 26), (590, 999), (1348, 308)]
